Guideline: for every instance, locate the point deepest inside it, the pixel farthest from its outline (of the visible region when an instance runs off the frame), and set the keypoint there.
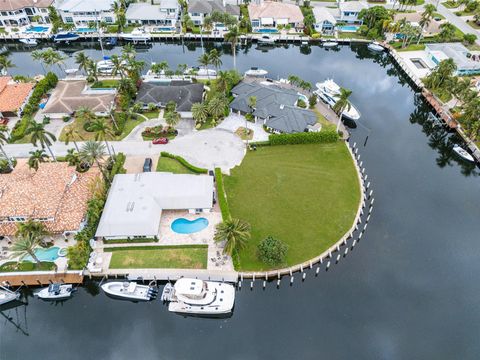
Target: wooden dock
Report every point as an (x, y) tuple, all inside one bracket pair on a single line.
[(40, 278)]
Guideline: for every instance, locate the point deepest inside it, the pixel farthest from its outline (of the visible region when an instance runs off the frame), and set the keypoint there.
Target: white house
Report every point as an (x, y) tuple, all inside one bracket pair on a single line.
[(164, 12), (349, 11), (24, 12), (325, 22), (272, 13), (82, 12), (199, 9), (136, 201)]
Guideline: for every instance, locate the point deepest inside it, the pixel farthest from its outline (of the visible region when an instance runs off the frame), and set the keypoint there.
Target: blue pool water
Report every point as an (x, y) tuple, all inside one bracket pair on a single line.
[(85, 30), (50, 254), (165, 28), (37, 29), (349, 28), (184, 226), (267, 31)]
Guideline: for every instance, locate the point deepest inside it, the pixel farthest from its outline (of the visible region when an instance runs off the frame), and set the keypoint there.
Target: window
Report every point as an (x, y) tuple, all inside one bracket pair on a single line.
[(69, 20), (195, 14), (108, 19)]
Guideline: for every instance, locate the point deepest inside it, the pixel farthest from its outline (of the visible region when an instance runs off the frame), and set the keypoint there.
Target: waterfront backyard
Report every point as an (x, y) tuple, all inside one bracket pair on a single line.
[(305, 195)]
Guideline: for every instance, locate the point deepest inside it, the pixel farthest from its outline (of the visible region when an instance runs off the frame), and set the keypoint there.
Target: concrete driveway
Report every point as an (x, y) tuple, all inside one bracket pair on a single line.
[(234, 121)]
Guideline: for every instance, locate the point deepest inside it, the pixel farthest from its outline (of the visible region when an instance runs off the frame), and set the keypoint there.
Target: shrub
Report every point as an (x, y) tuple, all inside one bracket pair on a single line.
[(301, 104), (328, 136), (4, 167), (184, 162), (316, 36), (78, 255), (312, 101), (87, 126), (469, 38), (222, 198), (18, 131), (272, 251), (66, 118), (43, 86)]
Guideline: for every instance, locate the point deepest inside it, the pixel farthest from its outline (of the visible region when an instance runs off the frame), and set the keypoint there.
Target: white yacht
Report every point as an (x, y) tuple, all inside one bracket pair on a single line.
[(56, 292), (375, 46), (255, 71), (464, 154), (193, 296), (28, 41), (200, 71), (130, 290), (136, 36), (266, 39), (329, 92), (330, 44), (7, 295)]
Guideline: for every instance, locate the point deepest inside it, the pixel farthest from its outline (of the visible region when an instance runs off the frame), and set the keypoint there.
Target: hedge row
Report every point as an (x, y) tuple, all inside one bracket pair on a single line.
[(185, 163), (43, 86), (18, 131), (222, 199), (328, 136)]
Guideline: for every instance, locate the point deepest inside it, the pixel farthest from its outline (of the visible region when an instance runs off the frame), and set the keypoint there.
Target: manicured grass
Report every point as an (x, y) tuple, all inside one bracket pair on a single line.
[(305, 195), (105, 84), (438, 15), (27, 266), (450, 4), (350, 35), (411, 47), (130, 241), (172, 165), (473, 24), (326, 125), (155, 257), (151, 114)]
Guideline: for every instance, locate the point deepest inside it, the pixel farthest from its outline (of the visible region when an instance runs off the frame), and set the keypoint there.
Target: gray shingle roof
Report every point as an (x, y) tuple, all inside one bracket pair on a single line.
[(207, 7), (184, 94), (275, 104)]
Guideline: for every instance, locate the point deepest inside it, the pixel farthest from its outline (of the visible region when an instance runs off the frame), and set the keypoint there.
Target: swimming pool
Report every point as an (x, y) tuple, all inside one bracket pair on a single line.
[(267, 31), (349, 28), (164, 28), (85, 30), (37, 29), (50, 254), (184, 226)]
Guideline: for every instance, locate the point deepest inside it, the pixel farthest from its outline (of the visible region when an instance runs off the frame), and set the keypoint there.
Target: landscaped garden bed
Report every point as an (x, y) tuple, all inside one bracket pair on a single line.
[(159, 257), (13, 266), (159, 131)]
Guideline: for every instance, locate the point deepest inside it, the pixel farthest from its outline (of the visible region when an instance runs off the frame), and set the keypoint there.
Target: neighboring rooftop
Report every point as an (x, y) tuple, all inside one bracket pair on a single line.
[(275, 10), (55, 194), (135, 201), (185, 94), (85, 5), (414, 18), (207, 7), (322, 14), (13, 94), (147, 11), (353, 6), (11, 5), (69, 96), (458, 53), (276, 105)]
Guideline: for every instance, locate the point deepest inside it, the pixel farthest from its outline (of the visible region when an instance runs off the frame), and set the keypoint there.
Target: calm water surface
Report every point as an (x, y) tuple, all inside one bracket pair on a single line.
[(409, 290)]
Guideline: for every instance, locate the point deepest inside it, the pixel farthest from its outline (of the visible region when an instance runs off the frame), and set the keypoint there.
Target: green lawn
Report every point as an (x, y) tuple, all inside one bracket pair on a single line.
[(326, 125), (105, 84), (473, 24), (151, 114), (450, 4), (156, 257), (305, 195), (26, 266), (172, 165), (411, 47)]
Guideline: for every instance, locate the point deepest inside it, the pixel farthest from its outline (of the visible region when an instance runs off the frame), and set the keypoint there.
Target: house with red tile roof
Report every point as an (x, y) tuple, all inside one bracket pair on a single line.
[(13, 96)]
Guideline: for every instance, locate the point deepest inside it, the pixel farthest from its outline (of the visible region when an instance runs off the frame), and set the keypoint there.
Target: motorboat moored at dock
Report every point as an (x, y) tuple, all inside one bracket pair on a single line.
[(198, 297), (375, 46), (329, 92), (464, 154), (130, 290), (266, 39), (28, 41), (56, 292), (7, 295), (329, 44), (256, 72), (136, 36), (65, 36)]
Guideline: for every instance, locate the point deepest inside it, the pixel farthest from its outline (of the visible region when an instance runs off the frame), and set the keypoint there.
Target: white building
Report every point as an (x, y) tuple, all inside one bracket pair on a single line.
[(325, 22), (199, 9), (349, 11), (136, 201), (24, 12), (82, 12), (165, 13)]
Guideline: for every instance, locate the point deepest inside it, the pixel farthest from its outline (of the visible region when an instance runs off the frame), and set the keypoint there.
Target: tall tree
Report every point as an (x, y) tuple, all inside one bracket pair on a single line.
[(214, 58), (82, 61), (37, 55), (342, 101), (102, 132), (5, 64), (3, 141), (71, 134), (24, 246), (172, 118), (199, 112), (234, 232), (40, 135), (232, 37), (36, 158), (93, 152), (204, 60)]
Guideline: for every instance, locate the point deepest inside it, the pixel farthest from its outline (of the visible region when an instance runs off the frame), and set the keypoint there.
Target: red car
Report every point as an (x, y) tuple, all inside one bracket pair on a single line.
[(160, 141), (4, 121)]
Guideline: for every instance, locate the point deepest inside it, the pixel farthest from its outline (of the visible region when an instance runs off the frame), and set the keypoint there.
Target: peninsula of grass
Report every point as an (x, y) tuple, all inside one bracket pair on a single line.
[(13, 266), (159, 257), (305, 195), (166, 164)]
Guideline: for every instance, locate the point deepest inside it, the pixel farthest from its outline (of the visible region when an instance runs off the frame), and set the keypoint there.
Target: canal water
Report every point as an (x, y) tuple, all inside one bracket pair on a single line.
[(409, 290)]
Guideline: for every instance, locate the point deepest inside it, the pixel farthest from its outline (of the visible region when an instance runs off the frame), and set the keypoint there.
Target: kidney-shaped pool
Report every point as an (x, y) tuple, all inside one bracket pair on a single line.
[(185, 226)]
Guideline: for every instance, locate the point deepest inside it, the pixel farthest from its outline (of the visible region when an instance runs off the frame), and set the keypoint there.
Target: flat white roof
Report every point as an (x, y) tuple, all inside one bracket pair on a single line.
[(85, 5), (135, 201)]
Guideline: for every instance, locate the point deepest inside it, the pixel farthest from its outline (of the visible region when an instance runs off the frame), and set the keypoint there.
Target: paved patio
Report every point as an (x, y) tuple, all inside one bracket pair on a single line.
[(234, 121)]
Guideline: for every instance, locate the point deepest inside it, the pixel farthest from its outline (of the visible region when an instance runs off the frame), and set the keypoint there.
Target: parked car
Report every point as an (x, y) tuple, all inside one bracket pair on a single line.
[(147, 165), (4, 121), (160, 141)]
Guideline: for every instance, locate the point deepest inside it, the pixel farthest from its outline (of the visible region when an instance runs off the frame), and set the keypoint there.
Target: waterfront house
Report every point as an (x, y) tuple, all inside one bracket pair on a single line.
[(348, 11), (183, 93), (198, 9), (24, 12), (70, 95), (325, 22), (56, 195), (165, 12), (82, 12), (137, 202), (276, 108), (272, 14), (13, 96), (433, 28), (468, 62)]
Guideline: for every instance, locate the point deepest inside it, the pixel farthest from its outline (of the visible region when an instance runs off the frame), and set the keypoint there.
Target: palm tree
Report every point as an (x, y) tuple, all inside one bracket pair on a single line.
[(215, 59), (84, 114), (216, 107), (24, 246), (223, 81), (128, 52), (3, 141), (200, 112), (232, 37), (447, 32), (342, 102), (204, 60), (234, 232), (37, 55), (72, 157), (118, 66), (82, 60), (92, 71), (52, 57), (5, 64), (36, 157), (426, 19), (71, 134), (40, 135), (102, 132), (35, 228), (172, 118), (92, 152), (119, 11)]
